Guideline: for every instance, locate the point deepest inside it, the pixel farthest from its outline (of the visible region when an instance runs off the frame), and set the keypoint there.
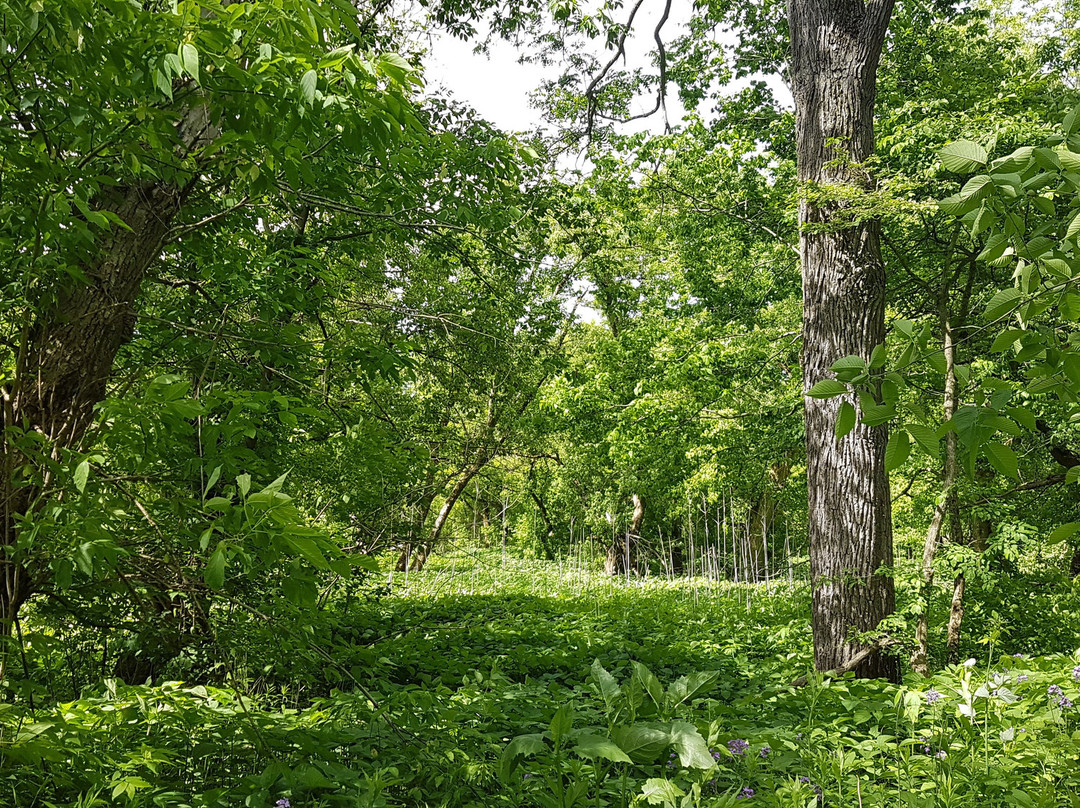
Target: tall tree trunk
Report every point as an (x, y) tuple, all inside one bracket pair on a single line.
[(622, 555), (835, 49), (920, 658), (68, 353), (980, 532)]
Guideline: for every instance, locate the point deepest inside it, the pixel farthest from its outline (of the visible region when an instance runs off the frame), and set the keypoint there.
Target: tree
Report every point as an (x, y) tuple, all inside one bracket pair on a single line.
[(835, 49)]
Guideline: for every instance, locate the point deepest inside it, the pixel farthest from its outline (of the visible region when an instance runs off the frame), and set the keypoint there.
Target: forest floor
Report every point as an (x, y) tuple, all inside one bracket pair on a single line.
[(493, 681)]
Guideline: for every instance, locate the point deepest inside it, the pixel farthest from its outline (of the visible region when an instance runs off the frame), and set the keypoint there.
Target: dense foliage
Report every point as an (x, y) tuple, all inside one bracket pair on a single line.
[(356, 452)]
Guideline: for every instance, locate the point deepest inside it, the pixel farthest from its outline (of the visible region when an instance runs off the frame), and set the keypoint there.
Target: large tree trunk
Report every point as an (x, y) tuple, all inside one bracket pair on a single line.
[(65, 367), (835, 48)]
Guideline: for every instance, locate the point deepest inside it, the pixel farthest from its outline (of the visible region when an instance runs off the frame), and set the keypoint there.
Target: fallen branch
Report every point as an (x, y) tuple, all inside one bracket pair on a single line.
[(880, 645)]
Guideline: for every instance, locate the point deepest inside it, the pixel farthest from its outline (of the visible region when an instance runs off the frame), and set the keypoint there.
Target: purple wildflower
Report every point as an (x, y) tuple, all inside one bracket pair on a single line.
[(765, 751), (1018, 656), (1076, 674), (932, 696), (1023, 677), (283, 803), (715, 754), (737, 747), (1065, 703), (941, 754), (1054, 690), (671, 761), (745, 794)]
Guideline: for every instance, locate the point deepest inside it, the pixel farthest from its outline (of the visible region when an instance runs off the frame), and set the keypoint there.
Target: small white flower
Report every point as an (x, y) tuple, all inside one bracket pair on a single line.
[(970, 663)]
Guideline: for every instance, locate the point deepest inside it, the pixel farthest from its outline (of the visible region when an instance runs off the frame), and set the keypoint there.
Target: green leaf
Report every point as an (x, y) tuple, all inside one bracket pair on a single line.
[(308, 82), (597, 746), (215, 475), (214, 575), (658, 791), (1002, 303), (845, 420), (521, 746), (1072, 475), (995, 247), (897, 450), (1074, 226), (1002, 458), (1006, 339), (308, 549), (977, 187), (827, 388), (925, 437), (1063, 532), (963, 156), (650, 683), (609, 688), (686, 687), (562, 722), (189, 59), (82, 474), (691, 747), (1070, 160), (642, 742)]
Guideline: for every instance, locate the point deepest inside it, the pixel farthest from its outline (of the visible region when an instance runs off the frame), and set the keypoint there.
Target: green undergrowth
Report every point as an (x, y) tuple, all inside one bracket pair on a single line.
[(489, 681)]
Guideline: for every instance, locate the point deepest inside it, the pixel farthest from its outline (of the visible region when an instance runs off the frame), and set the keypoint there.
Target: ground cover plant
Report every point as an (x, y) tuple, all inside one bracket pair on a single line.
[(517, 683)]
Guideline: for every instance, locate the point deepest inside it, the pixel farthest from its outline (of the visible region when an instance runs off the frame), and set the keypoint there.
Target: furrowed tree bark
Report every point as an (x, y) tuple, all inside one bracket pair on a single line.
[(835, 49), (68, 354)]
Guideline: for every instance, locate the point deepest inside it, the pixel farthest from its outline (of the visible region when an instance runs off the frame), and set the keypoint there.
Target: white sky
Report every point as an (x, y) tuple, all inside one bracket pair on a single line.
[(498, 87)]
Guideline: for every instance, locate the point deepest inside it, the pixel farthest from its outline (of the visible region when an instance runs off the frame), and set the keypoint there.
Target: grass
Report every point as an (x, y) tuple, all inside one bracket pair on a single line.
[(493, 681)]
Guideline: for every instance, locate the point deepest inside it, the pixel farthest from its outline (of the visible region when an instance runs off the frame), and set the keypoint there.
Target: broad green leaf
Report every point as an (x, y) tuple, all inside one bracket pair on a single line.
[(926, 438), (214, 574), (521, 746), (686, 687), (189, 59), (1002, 458), (82, 474), (1024, 417), (1070, 160), (1006, 339), (995, 247), (308, 83), (1062, 532), (977, 187), (308, 549), (658, 791), (609, 688), (562, 722), (1002, 303), (642, 742), (827, 388), (691, 747), (845, 420), (1074, 226), (650, 683), (1072, 475), (897, 450), (597, 746), (963, 156)]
